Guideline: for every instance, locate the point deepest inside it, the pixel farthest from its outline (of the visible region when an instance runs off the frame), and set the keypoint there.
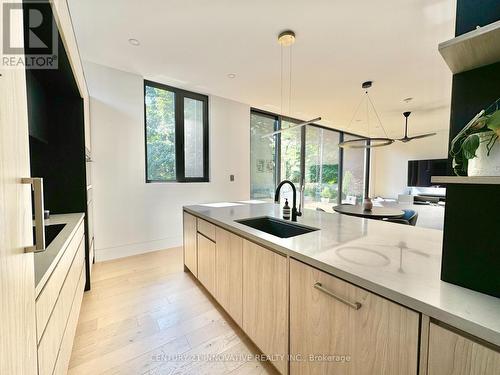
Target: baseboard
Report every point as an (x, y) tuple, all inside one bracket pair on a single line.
[(136, 248)]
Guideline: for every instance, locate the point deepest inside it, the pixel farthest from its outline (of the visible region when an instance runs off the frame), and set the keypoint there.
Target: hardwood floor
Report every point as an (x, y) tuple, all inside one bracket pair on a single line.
[(145, 315)]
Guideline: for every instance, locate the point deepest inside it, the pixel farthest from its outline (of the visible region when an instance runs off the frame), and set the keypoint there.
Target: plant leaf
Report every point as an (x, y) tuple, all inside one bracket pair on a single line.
[(470, 146), (493, 122)]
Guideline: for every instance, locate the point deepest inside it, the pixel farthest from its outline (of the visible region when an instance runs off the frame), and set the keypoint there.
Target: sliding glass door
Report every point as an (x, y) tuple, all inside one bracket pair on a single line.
[(321, 171), (353, 173), (308, 156), (262, 156), (290, 153)]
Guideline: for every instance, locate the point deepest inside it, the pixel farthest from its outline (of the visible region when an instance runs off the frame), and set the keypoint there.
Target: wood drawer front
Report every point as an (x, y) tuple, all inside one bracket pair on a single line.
[(61, 367), (454, 354), (381, 337), (48, 296), (207, 229), (50, 343), (206, 263), (265, 302)]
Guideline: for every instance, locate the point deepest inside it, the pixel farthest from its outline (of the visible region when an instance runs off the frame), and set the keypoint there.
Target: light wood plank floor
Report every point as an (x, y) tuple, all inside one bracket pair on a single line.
[(145, 315)]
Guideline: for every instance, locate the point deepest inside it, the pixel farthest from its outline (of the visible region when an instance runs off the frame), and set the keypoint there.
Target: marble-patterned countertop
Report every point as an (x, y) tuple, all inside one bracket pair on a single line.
[(401, 263), (46, 261)]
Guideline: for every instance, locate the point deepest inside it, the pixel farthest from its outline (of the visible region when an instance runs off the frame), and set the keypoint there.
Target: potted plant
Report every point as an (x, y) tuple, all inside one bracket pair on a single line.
[(326, 195), (476, 149)]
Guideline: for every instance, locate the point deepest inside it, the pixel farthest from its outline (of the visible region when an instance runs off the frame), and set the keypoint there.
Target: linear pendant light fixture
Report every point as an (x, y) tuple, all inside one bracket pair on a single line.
[(287, 39), (367, 142)]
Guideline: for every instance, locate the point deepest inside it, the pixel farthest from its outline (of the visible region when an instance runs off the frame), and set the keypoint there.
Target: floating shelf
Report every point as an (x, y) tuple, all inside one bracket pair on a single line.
[(473, 49), (481, 180)]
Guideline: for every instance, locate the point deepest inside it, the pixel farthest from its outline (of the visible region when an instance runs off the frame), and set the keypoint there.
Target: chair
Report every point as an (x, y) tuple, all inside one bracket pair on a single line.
[(409, 218)]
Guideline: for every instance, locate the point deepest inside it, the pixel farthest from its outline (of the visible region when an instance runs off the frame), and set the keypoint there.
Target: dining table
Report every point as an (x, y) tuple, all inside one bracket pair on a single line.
[(377, 213)]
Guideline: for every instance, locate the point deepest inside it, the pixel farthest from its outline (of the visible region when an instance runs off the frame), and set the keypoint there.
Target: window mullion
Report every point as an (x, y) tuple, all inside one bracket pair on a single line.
[(179, 137)]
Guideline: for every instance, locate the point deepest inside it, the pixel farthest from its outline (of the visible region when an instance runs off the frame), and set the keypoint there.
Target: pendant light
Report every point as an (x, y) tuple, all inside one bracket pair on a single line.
[(286, 39), (367, 142), (408, 139)]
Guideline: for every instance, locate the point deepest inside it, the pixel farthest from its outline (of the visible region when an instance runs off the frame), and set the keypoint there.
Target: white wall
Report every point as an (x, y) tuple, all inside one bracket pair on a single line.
[(131, 216), (390, 163)]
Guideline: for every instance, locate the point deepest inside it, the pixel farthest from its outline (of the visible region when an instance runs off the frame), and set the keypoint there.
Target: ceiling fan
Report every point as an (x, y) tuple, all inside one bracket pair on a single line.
[(406, 139)]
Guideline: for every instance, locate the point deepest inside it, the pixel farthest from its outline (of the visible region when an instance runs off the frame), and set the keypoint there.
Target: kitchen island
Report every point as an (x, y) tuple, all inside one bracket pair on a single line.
[(393, 262)]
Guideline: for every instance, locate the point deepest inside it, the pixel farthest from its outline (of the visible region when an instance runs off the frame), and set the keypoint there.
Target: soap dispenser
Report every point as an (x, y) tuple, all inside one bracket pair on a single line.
[(286, 210)]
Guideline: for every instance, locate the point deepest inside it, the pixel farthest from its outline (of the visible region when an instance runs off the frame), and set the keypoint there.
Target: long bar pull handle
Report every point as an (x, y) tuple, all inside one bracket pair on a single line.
[(354, 305), (37, 186)]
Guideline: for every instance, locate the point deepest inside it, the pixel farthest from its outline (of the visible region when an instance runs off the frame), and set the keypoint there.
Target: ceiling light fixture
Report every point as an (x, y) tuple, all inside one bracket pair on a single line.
[(134, 42), (231, 75), (287, 39), (367, 142)]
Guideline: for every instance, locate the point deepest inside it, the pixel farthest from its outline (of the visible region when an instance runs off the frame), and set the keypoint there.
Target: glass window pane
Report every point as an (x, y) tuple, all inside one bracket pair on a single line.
[(160, 134), (353, 173), (193, 138), (262, 168), (290, 153), (321, 168)]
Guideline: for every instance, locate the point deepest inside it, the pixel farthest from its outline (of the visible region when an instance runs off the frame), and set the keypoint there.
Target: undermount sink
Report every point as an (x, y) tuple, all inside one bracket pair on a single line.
[(276, 227)]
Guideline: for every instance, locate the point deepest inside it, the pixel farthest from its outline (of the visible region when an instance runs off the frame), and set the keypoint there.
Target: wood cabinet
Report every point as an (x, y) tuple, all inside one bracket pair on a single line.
[(206, 263), (229, 273), (190, 238), (453, 354), (265, 302), (69, 294), (376, 337), (17, 274)]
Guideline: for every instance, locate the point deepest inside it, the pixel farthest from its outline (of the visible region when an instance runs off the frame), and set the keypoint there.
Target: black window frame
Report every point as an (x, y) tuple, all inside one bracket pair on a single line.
[(278, 121), (179, 96)]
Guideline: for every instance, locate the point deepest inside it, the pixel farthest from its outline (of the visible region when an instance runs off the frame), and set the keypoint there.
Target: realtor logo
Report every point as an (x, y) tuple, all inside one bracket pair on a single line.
[(35, 47)]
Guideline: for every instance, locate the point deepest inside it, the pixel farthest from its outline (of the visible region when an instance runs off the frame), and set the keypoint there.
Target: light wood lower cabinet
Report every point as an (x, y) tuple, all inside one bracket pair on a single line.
[(229, 273), (52, 339), (206, 263), (379, 338), (454, 354), (190, 238), (265, 302)]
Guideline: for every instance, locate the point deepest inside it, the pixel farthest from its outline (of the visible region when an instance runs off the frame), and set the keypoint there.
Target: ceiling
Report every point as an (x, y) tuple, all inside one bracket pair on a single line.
[(195, 44)]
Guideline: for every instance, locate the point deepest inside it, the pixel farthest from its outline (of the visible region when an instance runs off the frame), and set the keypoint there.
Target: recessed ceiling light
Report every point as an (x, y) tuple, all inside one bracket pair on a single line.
[(134, 42), (231, 75), (407, 100)]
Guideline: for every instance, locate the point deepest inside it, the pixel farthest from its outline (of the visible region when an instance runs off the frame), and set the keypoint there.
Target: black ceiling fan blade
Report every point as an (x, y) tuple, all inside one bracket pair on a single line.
[(422, 136)]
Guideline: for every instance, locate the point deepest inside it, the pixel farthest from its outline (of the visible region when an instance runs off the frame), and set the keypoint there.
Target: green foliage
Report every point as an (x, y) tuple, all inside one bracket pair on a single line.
[(326, 193), (330, 173), (483, 128), (470, 146), (160, 134)]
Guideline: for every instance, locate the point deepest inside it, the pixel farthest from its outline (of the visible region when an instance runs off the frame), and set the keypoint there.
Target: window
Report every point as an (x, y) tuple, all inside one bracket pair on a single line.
[(176, 132), (262, 156), (291, 143), (321, 168), (353, 173), (309, 157)]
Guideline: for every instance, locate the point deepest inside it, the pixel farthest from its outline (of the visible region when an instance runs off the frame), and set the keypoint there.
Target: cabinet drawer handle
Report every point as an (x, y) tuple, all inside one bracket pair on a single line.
[(354, 305), (37, 186)]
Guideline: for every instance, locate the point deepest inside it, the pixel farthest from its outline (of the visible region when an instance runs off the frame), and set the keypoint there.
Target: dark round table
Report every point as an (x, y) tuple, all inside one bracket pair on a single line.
[(375, 213)]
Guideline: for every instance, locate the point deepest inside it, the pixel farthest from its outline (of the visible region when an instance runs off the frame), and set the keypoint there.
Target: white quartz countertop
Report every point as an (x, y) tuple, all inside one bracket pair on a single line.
[(46, 261), (401, 263)]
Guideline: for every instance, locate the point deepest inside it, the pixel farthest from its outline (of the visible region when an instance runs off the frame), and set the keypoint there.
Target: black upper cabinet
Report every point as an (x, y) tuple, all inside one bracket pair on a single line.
[(473, 13)]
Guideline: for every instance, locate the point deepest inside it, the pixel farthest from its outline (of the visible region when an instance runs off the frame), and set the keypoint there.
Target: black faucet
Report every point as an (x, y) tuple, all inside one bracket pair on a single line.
[(295, 213)]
